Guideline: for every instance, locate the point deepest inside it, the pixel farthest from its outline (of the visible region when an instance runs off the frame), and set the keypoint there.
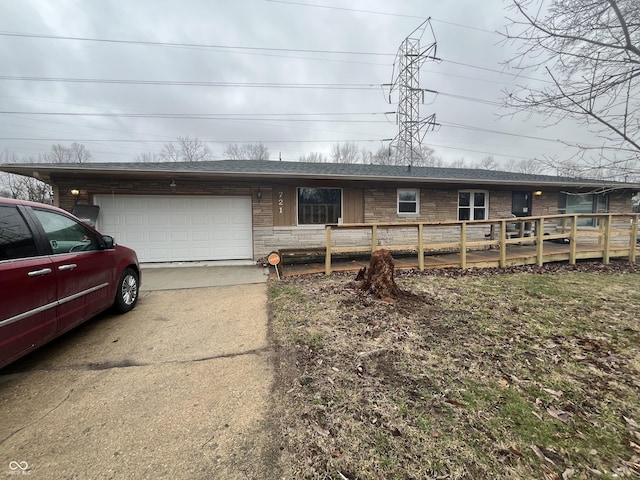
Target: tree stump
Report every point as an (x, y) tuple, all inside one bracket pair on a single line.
[(379, 277)]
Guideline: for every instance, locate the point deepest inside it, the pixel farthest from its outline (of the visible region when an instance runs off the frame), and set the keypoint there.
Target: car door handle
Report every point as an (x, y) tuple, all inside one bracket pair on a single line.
[(69, 266), (39, 273)]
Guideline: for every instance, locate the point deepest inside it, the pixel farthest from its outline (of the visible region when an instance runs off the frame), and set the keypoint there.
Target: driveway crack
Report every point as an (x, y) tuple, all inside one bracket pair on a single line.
[(37, 419)]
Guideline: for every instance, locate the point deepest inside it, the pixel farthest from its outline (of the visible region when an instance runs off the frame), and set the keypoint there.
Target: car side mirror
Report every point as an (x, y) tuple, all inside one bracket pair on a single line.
[(109, 242)]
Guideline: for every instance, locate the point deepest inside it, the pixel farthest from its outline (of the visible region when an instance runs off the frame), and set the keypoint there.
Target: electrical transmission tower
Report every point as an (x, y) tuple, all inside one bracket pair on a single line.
[(405, 147)]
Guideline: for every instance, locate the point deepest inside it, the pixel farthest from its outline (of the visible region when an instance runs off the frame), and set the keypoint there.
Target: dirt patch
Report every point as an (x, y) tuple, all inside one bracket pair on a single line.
[(528, 373)]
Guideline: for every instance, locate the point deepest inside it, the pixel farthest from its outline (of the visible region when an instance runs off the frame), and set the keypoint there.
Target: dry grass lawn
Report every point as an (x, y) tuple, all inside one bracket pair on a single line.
[(533, 373)]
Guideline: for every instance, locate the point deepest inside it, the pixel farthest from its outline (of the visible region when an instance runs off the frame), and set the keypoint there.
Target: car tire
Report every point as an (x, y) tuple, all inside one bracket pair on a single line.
[(127, 291)]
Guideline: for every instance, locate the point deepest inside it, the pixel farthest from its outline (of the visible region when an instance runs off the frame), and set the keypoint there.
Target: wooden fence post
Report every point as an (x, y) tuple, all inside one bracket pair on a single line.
[(327, 255), (374, 238), (607, 239), (421, 247), (573, 240), (503, 243), (540, 244), (463, 245), (633, 239)]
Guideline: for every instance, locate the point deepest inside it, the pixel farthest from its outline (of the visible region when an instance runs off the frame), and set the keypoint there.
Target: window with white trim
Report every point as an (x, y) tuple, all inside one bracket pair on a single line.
[(319, 206), (473, 205), (408, 201)]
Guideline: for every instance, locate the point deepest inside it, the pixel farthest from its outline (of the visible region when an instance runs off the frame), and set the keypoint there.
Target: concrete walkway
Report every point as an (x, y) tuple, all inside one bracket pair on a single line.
[(180, 277)]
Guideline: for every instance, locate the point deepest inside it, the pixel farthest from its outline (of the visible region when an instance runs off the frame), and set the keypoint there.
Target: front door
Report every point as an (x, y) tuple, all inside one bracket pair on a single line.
[(521, 204)]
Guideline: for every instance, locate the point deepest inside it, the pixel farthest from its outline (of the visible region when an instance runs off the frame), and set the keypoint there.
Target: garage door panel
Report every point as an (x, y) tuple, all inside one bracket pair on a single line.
[(200, 236), (199, 220), (156, 219), (134, 220), (169, 228)]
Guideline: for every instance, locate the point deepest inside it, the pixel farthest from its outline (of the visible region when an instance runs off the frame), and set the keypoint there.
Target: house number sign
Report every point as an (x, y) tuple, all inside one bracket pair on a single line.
[(281, 202)]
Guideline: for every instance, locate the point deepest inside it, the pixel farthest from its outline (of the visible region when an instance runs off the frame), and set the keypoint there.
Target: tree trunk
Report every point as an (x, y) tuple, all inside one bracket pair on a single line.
[(379, 279)]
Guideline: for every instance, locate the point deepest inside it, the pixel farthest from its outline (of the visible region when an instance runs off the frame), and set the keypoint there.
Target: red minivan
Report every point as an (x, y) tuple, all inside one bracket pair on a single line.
[(55, 273)]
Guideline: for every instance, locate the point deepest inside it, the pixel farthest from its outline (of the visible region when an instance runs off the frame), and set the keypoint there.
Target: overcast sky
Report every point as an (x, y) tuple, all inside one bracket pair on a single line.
[(241, 43)]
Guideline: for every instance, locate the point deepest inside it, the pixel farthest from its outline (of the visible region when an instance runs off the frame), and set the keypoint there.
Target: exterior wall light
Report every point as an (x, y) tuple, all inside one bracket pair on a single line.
[(75, 192), (259, 194), (537, 193)]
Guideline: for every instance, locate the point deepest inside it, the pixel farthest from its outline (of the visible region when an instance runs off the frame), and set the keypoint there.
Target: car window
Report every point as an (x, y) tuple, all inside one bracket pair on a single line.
[(16, 240), (66, 235)]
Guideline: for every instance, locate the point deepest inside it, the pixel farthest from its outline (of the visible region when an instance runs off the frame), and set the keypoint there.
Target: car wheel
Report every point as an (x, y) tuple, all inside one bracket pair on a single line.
[(127, 291)]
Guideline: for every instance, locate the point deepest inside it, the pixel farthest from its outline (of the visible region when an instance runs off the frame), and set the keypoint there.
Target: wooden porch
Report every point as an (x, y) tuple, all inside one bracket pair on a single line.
[(480, 244)]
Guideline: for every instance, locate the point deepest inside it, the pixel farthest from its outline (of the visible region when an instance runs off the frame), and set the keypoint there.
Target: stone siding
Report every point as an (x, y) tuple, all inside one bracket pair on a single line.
[(380, 206)]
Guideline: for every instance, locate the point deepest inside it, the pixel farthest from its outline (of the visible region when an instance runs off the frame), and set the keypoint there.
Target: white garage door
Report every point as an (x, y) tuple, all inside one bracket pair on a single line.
[(176, 228)]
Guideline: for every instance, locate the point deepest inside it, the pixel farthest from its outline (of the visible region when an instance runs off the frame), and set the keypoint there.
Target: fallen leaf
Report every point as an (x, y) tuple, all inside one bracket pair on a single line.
[(515, 451), (503, 383), (552, 392), (321, 431), (631, 422), (635, 446), (564, 417), (435, 434), (568, 473), (541, 455)]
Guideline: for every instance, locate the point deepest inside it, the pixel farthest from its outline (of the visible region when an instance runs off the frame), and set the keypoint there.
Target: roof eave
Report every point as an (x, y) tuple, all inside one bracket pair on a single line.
[(45, 173)]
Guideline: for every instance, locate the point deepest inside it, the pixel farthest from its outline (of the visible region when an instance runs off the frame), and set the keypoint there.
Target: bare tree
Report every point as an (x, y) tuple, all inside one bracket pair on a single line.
[(248, 151), (184, 149), (24, 188), (314, 157), (346, 152), (193, 150), (78, 153), (169, 153), (460, 163), (525, 166), (382, 156), (590, 52), (488, 163), (75, 153), (424, 157), (148, 157)]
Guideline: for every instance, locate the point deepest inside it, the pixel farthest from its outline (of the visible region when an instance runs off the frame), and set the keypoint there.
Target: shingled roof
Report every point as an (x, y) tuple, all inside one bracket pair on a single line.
[(267, 169)]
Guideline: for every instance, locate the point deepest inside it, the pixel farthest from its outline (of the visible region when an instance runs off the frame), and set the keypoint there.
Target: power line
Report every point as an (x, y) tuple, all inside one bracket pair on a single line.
[(185, 116), (241, 48), (118, 140), (327, 86), (191, 45), (381, 13), (498, 132)]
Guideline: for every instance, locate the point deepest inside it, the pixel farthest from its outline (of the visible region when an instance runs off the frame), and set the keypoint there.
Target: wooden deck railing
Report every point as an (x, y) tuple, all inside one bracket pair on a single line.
[(613, 236)]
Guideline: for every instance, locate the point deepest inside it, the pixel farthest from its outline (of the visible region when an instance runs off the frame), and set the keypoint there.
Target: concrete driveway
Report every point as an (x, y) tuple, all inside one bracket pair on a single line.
[(178, 388)]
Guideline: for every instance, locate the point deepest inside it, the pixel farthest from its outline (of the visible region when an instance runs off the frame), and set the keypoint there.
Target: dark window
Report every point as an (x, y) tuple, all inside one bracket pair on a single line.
[(16, 240), (66, 235), (319, 206), (473, 205)]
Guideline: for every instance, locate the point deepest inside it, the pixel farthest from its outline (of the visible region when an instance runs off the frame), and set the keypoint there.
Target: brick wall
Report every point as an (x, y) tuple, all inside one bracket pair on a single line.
[(380, 206)]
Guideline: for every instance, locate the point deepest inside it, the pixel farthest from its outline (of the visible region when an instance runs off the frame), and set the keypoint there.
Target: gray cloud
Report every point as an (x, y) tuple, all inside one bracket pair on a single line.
[(253, 23)]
